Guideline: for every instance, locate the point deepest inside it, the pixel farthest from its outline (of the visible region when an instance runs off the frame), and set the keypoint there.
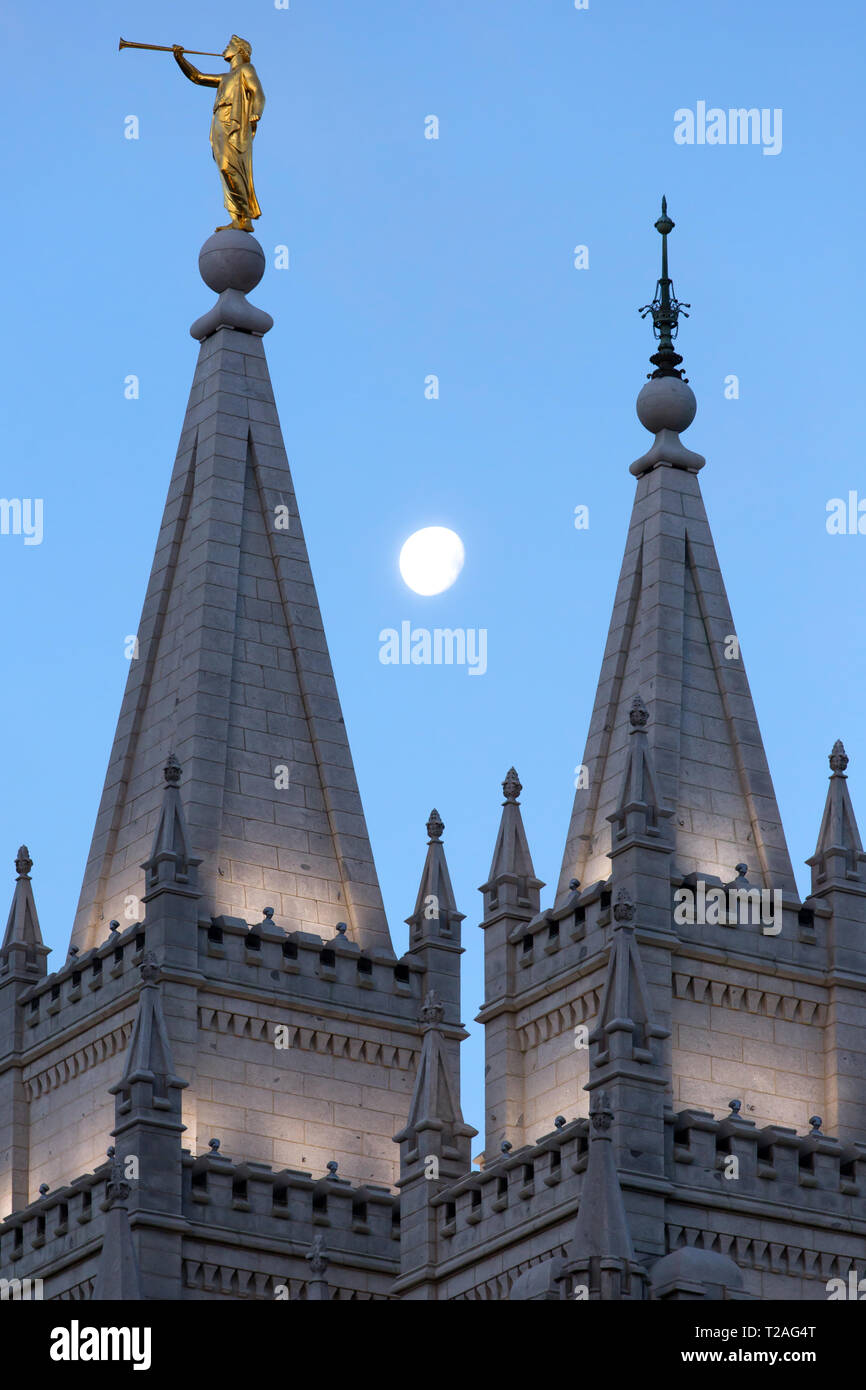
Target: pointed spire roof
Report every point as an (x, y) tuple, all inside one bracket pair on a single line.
[(149, 1074), (118, 1276), (22, 953), (170, 863), (435, 1103), (22, 926), (436, 908), (232, 671), (626, 1024), (672, 639), (839, 853), (601, 1230), (512, 876), (638, 810)]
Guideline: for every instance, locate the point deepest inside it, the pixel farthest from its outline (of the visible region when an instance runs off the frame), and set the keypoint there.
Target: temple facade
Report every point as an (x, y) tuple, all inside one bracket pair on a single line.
[(234, 1088)]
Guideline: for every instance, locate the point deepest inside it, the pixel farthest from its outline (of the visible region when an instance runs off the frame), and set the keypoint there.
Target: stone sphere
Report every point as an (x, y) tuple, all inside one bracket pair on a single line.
[(231, 260), (666, 403)]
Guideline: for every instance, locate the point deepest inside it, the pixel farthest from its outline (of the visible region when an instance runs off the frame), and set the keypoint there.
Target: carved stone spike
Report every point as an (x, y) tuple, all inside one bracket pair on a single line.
[(838, 757)]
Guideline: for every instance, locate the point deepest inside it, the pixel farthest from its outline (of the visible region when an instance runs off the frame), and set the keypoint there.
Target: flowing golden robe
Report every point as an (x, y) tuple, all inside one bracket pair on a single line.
[(239, 103)]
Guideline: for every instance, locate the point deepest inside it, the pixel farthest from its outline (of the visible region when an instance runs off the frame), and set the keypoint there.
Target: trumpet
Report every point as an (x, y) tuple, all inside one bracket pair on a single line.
[(166, 48)]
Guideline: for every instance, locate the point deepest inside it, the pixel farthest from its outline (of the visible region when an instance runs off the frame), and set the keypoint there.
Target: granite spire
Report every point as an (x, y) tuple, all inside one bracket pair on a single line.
[(672, 641), (231, 670)]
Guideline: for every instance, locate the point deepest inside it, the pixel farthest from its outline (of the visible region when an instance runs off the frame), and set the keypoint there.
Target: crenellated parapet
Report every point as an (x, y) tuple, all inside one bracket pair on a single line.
[(246, 1231)]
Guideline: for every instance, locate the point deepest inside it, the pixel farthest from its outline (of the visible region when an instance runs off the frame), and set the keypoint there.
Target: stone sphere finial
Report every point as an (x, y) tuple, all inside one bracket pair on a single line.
[(838, 757), (435, 825), (666, 403), (23, 862), (512, 785), (231, 260)]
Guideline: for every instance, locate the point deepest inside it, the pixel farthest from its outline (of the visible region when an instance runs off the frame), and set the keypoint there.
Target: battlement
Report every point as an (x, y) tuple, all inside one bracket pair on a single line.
[(87, 985), (58, 1230), (527, 1187), (323, 970), (809, 1172), (227, 1206), (253, 1198), (557, 939)]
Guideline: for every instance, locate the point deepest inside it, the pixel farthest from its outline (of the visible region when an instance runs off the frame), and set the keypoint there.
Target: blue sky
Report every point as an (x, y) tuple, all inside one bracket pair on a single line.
[(409, 257)]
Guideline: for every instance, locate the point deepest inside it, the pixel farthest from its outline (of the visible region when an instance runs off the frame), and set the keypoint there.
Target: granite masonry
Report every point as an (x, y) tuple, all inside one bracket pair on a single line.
[(234, 1089)]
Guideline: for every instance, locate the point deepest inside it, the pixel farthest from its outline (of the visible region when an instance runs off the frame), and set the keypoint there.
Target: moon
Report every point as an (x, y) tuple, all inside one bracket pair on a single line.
[(431, 559)]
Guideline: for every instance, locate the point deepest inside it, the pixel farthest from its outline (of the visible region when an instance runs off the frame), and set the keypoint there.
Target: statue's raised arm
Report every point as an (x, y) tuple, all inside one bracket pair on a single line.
[(202, 79)]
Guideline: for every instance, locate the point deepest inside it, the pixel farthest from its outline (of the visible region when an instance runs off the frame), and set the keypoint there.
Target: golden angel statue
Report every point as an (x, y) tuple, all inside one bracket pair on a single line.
[(237, 108)]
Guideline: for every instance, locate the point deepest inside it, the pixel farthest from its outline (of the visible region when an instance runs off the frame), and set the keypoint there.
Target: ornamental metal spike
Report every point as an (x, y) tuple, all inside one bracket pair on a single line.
[(665, 309)]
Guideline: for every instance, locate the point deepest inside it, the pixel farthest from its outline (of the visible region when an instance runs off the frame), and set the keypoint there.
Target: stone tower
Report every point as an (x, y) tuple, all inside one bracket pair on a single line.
[(676, 1046), (230, 864)]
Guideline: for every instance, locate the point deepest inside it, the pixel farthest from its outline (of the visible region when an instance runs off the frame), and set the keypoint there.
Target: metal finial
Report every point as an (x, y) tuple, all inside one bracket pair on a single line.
[(435, 825), (560, 1122), (172, 771), (110, 1151), (23, 862), (735, 1106), (332, 1167), (213, 1145), (742, 869), (43, 1188), (342, 928), (268, 912), (73, 951), (816, 1122), (838, 758), (506, 1146), (665, 309), (114, 925), (512, 786)]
